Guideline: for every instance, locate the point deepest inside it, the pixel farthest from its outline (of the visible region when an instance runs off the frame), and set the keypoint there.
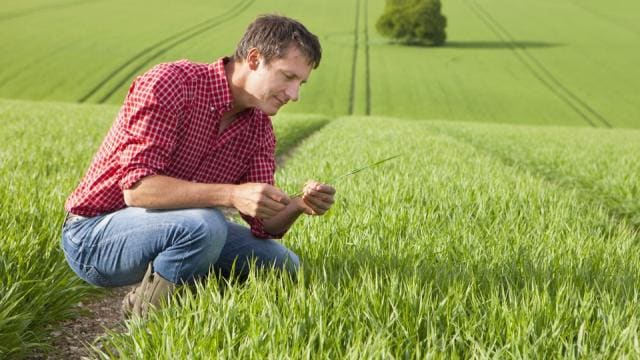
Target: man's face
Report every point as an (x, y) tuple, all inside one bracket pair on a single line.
[(274, 84)]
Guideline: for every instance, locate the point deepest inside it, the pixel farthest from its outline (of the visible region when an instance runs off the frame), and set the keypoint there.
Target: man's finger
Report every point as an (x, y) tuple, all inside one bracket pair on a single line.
[(316, 203), (324, 188), (271, 204), (265, 213), (322, 197), (279, 196)]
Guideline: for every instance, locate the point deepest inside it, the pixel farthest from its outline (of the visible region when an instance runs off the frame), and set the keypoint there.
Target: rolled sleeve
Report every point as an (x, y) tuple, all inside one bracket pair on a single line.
[(149, 121), (132, 176), (257, 228)]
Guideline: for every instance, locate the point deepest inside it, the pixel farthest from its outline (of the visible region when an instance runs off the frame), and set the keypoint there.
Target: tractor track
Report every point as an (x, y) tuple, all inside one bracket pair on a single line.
[(538, 70), (352, 86), (354, 63), (367, 60), (23, 13), (555, 179), (161, 47), (604, 17)]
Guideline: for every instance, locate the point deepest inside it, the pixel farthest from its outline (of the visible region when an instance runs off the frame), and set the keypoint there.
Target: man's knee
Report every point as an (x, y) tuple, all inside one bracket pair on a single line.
[(290, 262), (207, 231), (280, 258), (209, 223), (202, 236)]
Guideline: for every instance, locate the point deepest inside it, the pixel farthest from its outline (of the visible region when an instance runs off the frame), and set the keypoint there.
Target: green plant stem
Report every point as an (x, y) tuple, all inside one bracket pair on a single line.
[(352, 172)]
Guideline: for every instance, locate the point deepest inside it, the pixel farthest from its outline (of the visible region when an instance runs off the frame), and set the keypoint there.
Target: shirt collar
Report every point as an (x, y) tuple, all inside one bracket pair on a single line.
[(222, 100)]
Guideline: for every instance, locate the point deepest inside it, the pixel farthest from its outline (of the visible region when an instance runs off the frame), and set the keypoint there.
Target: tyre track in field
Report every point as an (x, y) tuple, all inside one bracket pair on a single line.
[(556, 179), (23, 13), (352, 91), (161, 47), (604, 17), (538, 70), (367, 60)]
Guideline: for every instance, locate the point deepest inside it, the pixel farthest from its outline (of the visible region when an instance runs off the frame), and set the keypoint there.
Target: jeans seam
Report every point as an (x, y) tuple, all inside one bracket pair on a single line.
[(179, 265)]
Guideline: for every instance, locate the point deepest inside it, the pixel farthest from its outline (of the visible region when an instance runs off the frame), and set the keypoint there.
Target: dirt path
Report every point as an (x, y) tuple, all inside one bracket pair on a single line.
[(71, 338)]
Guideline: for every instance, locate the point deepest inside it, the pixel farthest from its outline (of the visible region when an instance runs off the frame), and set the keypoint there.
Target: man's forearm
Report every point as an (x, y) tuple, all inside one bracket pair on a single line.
[(164, 192), (282, 221)]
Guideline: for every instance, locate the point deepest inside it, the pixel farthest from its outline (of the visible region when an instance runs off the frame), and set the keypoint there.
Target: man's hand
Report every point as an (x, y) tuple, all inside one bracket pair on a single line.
[(317, 198), (262, 201)]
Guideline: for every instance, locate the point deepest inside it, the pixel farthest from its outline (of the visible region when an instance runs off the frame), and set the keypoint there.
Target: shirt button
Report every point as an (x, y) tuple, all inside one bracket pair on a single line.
[(213, 109)]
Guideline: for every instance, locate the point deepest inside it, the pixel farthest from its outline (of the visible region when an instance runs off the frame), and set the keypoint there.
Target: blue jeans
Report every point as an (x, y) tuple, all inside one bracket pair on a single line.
[(184, 245)]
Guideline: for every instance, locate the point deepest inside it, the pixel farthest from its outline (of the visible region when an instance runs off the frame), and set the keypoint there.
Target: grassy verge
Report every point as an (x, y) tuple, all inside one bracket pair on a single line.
[(443, 252)]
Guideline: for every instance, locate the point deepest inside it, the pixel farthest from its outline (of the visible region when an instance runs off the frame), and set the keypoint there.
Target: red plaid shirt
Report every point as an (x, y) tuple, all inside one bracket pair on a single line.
[(169, 125)]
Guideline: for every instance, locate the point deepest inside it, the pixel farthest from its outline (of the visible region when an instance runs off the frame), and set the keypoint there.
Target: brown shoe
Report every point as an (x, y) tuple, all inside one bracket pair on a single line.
[(151, 292), (128, 301)]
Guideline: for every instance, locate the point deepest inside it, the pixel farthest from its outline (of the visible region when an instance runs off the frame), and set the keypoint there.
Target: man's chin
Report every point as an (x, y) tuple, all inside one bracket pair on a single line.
[(270, 110)]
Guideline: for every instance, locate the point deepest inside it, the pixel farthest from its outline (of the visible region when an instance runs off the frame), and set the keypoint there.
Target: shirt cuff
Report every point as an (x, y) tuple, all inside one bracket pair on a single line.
[(257, 228), (133, 175)]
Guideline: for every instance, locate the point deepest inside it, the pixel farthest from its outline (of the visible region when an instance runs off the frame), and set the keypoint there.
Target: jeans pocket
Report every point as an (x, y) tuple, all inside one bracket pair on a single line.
[(72, 235), (90, 274)]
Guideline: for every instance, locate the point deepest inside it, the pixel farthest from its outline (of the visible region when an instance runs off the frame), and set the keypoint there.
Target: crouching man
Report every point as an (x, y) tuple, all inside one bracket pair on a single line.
[(190, 138)]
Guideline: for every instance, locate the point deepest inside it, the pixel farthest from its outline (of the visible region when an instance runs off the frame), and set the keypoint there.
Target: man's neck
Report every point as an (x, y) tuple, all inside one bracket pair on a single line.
[(236, 78)]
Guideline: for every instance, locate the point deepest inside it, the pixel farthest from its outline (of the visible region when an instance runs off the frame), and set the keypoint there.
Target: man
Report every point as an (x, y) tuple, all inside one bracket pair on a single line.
[(190, 138)]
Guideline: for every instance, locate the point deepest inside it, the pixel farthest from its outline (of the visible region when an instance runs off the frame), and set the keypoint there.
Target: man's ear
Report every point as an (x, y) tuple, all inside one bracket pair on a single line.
[(253, 58)]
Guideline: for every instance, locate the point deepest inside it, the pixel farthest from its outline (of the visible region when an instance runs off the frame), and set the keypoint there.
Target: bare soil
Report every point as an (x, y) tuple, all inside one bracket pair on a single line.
[(71, 339)]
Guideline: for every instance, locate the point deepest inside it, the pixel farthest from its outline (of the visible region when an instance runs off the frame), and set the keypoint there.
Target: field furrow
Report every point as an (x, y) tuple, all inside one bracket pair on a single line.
[(593, 55), (354, 61), (608, 173), (367, 57), (627, 20), (140, 60), (539, 70), (569, 66)]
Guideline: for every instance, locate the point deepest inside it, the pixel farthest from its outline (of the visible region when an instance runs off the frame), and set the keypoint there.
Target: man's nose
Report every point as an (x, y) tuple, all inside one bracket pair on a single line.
[(293, 91)]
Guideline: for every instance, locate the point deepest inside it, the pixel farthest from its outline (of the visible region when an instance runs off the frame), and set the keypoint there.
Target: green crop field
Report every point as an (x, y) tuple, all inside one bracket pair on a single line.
[(452, 252), (546, 62), (509, 226)]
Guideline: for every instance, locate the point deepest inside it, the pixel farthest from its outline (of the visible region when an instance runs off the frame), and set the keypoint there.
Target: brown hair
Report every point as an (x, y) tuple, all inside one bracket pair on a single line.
[(273, 34)]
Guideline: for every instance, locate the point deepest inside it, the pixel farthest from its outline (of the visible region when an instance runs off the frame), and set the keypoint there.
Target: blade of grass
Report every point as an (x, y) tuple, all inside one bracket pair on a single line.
[(352, 172)]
